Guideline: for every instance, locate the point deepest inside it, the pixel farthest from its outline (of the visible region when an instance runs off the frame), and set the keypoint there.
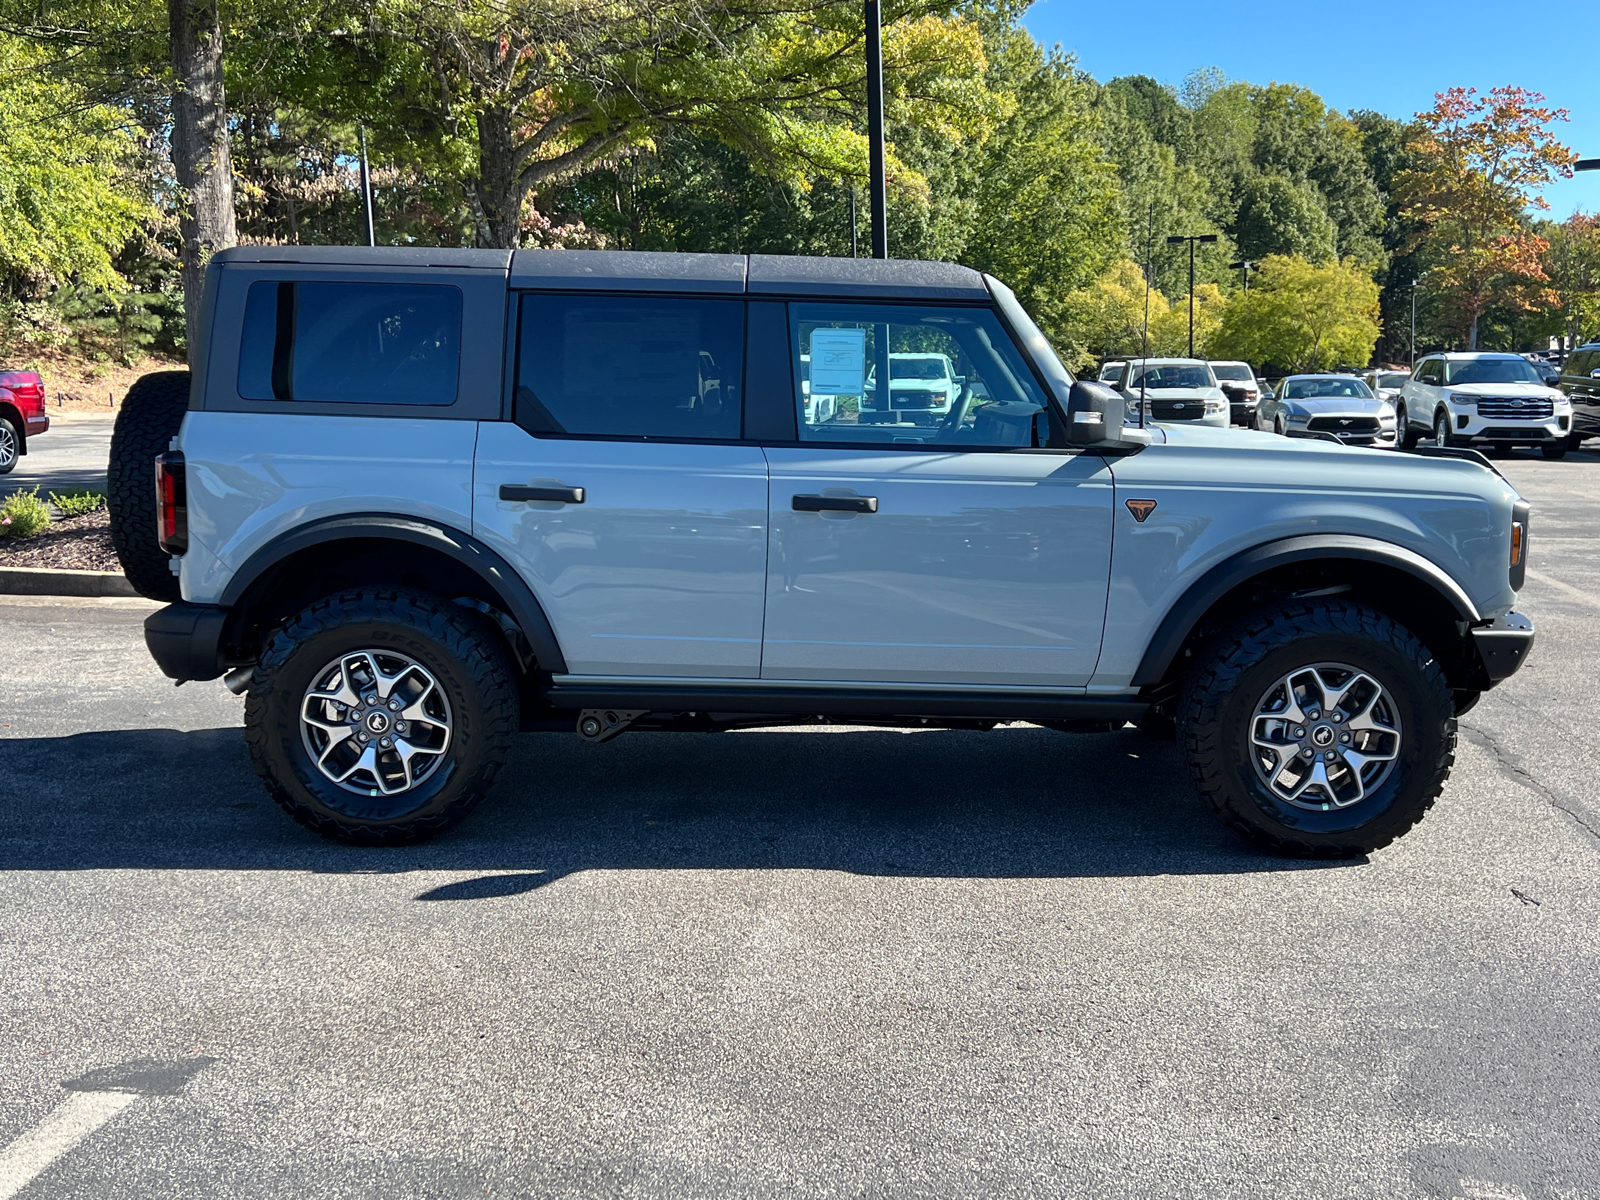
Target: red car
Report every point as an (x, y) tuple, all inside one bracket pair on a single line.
[(22, 414)]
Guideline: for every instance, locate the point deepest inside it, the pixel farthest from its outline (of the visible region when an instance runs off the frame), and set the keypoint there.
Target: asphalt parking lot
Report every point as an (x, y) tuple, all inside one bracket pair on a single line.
[(820, 962)]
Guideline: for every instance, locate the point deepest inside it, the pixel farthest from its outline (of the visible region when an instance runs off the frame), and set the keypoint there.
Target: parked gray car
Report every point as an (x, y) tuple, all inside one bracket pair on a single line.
[(1340, 406), (411, 502)]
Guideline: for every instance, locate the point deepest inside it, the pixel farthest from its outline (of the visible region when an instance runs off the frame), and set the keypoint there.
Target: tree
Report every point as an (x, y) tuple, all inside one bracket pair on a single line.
[(69, 186), (1106, 319), (1169, 329), (536, 91), (1479, 164), (1279, 216), (1300, 316), (1572, 264)]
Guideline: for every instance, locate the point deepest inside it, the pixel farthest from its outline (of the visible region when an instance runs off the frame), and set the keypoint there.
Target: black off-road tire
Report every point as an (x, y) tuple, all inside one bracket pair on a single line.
[(149, 419), (1218, 705), (462, 651)]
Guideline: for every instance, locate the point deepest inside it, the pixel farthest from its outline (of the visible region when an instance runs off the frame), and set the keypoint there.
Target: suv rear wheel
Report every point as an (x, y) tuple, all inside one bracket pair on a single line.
[(10, 445), (1320, 729), (381, 716)]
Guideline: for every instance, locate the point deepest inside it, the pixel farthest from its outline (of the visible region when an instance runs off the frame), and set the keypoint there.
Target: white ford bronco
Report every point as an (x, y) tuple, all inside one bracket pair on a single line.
[(414, 501)]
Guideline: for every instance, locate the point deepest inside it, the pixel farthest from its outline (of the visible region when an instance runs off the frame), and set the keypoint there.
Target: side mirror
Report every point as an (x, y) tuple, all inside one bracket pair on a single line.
[(1430, 380), (1095, 417)]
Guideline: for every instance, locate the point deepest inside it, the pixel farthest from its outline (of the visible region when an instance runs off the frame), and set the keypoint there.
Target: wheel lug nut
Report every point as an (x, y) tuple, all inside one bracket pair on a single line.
[(362, 736), (1299, 731), (399, 726), (395, 704), (1309, 752), (1328, 756), (384, 742), (1337, 717), (1344, 737)]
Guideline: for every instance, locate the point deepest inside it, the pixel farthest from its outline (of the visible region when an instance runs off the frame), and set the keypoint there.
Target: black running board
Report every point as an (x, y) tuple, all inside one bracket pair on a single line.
[(843, 702)]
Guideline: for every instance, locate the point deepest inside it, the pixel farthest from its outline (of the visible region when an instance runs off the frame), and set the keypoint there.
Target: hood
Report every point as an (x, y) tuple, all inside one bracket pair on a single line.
[(1525, 391), (1210, 393), (1339, 406)]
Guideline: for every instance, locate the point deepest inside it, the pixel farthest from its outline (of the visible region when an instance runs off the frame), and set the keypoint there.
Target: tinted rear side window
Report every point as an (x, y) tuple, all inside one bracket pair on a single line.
[(632, 367), (365, 343)]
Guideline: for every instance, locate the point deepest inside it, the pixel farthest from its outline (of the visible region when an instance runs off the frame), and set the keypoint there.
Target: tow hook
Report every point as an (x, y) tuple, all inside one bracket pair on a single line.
[(237, 680), (603, 724)]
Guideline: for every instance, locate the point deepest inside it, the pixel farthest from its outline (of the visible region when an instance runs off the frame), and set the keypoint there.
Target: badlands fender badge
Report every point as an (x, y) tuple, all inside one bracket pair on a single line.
[(1141, 509)]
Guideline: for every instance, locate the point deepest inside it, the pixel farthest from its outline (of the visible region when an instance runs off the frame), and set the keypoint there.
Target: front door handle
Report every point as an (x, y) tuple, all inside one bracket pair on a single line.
[(561, 495), (855, 504)]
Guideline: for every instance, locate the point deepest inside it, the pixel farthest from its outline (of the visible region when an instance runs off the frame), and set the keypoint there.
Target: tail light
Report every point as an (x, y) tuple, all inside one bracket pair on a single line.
[(172, 503)]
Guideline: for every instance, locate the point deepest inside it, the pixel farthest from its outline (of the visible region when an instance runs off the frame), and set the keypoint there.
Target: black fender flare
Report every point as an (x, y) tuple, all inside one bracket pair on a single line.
[(1221, 579), (522, 605)]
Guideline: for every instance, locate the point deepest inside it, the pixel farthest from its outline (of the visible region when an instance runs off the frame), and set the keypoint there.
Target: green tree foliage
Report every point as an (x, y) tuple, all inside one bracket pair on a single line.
[(1277, 215), (70, 185), (1301, 316)]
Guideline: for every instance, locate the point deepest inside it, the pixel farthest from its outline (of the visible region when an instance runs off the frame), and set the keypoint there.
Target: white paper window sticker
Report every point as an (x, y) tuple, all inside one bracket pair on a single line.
[(838, 362)]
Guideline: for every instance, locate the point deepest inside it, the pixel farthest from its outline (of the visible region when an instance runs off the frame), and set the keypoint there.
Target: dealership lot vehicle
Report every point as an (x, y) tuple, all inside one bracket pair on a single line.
[(1386, 385), (1580, 383), (1481, 399), (1174, 390), (1239, 383), (22, 415), (1111, 371), (1339, 406), (403, 557)]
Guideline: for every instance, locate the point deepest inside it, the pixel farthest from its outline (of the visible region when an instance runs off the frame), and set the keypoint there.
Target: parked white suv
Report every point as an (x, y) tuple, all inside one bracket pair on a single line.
[(1174, 389), (1483, 400)]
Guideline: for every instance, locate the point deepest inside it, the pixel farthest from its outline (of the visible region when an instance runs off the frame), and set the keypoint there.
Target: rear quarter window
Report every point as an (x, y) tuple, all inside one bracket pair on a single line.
[(362, 343)]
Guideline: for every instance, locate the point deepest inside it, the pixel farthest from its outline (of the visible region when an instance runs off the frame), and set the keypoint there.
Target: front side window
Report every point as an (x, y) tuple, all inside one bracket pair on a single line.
[(910, 375), (1493, 370), (1430, 367), (630, 367), (365, 343)]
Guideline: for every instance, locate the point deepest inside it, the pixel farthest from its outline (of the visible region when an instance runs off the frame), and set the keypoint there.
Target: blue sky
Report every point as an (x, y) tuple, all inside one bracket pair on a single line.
[(1356, 53)]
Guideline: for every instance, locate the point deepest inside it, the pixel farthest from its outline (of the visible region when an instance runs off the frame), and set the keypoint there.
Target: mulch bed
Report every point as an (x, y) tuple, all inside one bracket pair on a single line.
[(75, 544)]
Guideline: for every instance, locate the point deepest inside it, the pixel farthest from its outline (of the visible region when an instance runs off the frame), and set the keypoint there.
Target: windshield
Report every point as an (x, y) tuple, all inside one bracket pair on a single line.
[(1110, 372), (1174, 375), (1236, 371), (1393, 379), (1491, 370), (1307, 389), (918, 368)]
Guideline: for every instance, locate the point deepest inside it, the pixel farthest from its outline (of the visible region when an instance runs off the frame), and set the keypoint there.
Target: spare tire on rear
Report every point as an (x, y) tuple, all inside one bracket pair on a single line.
[(148, 421)]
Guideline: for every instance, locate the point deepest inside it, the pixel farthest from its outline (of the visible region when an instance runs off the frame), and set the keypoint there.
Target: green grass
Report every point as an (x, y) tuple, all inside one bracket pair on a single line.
[(23, 515), (76, 504)]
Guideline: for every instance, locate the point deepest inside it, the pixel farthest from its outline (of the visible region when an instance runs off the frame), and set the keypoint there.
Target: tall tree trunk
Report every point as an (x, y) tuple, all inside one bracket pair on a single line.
[(201, 156), (498, 191), (1472, 333)]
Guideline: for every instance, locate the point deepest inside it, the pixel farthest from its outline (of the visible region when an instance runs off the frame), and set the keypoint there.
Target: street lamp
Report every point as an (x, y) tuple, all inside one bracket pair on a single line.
[(878, 200), (1414, 284), (1587, 164), (1191, 239), (1245, 265)]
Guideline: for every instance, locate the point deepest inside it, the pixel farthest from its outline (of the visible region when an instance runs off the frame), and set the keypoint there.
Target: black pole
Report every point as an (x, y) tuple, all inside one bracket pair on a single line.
[(1191, 297), (1414, 283), (366, 187), (854, 241), (877, 198)]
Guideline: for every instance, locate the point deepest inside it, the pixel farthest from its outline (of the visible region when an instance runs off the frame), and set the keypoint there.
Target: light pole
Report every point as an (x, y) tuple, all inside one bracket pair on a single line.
[(877, 200), (1191, 239), (1414, 284), (1245, 265)]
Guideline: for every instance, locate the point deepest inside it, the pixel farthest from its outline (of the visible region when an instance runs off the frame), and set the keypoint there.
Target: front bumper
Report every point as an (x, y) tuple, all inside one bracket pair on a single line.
[(186, 640), (1489, 431), (1503, 645)]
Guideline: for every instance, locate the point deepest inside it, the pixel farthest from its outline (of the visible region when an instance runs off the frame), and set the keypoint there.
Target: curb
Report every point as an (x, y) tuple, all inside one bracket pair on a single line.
[(43, 581)]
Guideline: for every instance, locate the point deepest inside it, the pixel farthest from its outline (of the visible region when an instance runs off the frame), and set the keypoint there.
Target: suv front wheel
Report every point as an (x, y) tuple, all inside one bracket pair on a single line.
[(1441, 428), (1321, 729), (381, 716)]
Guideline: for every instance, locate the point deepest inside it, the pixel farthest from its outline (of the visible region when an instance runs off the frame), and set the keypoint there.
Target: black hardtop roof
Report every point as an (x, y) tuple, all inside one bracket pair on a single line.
[(646, 270)]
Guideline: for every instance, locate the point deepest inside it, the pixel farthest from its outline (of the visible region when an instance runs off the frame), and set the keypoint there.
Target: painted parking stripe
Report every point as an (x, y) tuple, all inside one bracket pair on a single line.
[(73, 1120)]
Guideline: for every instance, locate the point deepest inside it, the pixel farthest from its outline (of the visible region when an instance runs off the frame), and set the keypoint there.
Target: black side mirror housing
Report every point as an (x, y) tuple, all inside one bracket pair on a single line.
[(1096, 416), (1430, 380)]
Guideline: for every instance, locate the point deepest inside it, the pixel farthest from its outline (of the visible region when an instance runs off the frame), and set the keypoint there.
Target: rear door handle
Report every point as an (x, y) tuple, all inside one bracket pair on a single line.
[(520, 492), (855, 504)]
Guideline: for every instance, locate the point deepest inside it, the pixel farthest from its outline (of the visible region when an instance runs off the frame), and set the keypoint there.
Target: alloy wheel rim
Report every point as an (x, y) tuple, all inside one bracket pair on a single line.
[(8, 446), (376, 723), (1324, 736)]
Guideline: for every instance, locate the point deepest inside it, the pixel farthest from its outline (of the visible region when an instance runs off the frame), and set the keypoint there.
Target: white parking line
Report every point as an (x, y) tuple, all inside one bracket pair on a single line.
[(79, 1115), (1566, 589)]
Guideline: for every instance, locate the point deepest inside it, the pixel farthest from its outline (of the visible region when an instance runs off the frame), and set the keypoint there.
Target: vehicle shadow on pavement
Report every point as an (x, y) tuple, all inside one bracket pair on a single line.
[(1018, 802)]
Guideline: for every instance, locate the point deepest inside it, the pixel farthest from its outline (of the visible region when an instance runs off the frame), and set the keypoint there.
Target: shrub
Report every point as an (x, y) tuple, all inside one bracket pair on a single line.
[(23, 514), (76, 504)]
